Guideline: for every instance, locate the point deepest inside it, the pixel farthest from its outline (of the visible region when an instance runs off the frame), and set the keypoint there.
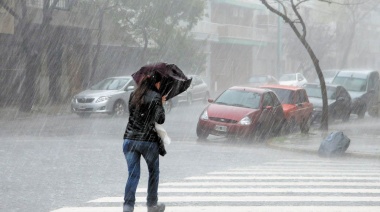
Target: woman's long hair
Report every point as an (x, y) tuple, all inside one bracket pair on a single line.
[(147, 83)]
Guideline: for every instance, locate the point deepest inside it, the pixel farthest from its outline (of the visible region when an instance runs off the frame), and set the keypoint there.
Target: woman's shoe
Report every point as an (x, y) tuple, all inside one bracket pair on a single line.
[(157, 208)]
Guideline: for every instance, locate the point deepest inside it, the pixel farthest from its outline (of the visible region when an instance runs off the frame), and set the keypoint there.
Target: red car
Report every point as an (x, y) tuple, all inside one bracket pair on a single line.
[(296, 105), (242, 112)]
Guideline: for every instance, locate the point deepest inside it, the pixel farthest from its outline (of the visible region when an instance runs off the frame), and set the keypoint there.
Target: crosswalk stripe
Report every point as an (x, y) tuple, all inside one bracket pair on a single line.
[(280, 178), (294, 173), (249, 183), (197, 198), (234, 208), (263, 190), (286, 185)]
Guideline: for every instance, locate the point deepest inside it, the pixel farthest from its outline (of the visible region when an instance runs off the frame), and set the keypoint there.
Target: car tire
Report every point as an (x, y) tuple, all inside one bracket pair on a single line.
[(202, 134), (119, 108), (305, 125), (290, 125), (346, 117), (84, 115), (362, 111)]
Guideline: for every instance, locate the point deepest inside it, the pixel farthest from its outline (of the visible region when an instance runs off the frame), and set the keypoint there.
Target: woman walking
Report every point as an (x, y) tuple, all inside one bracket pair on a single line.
[(141, 139)]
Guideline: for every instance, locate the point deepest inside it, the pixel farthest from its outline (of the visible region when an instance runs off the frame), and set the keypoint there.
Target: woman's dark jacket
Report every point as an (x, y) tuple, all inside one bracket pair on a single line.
[(141, 121)]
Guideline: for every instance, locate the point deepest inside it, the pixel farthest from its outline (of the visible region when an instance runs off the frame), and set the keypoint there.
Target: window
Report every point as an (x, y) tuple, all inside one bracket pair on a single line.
[(268, 101), (61, 5)]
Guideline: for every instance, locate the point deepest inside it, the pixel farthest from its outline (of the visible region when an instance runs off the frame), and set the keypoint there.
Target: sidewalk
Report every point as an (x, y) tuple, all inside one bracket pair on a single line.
[(12, 113), (365, 139)]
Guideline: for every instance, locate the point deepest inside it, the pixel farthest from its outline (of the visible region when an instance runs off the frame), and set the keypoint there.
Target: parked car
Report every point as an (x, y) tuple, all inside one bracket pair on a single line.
[(338, 100), (109, 96), (328, 75), (258, 80), (242, 112), (198, 91), (294, 79), (363, 87), (296, 106)]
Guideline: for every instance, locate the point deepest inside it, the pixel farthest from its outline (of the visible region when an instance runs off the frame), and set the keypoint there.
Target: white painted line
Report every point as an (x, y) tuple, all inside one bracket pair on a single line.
[(294, 173), (281, 178), (296, 199), (318, 164), (292, 169), (233, 209), (249, 183), (265, 190)]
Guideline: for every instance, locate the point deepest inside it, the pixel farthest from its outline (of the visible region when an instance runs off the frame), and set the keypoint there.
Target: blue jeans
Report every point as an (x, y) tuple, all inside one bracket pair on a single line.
[(133, 151)]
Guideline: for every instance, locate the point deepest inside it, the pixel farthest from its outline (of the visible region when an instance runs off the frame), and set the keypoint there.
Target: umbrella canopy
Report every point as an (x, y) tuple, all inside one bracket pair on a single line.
[(173, 82)]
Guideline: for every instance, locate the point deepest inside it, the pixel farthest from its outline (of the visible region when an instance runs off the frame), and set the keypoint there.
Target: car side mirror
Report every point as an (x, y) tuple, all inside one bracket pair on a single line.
[(130, 88), (210, 100), (268, 107), (340, 98)]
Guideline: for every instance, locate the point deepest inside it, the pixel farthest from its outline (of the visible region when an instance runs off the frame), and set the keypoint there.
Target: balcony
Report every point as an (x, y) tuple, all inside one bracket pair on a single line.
[(225, 33), (246, 33)]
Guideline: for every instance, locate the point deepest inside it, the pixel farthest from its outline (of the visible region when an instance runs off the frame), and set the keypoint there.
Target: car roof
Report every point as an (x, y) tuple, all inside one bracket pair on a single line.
[(287, 87), (327, 85), (355, 73), (252, 89)]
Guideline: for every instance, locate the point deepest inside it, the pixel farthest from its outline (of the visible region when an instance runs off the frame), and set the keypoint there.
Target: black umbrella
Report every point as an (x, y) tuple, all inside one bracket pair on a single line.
[(173, 82)]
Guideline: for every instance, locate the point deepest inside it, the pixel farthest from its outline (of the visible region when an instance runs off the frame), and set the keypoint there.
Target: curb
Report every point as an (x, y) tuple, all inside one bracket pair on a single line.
[(303, 150)]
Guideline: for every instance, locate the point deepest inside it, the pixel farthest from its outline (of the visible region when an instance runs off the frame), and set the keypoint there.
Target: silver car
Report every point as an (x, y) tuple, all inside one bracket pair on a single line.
[(198, 91), (109, 96)]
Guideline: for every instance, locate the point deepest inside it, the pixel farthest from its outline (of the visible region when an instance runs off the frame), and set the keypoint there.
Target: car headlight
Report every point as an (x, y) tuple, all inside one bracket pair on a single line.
[(204, 115), (102, 99), (245, 121)]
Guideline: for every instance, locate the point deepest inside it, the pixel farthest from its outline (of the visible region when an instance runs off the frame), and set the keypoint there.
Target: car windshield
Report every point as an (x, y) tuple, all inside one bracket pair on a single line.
[(111, 84), (315, 91), (257, 79), (329, 74), (285, 96), (351, 84), (239, 98), (288, 77)]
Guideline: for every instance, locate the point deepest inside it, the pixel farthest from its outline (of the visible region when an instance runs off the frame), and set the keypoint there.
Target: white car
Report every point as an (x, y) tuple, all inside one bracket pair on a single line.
[(294, 79)]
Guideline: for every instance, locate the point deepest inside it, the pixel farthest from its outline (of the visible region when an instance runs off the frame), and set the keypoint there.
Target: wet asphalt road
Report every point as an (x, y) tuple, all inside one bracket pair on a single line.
[(49, 162)]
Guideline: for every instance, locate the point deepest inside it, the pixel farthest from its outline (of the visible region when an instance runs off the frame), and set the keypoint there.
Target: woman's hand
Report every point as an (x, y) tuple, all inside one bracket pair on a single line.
[(163, 99)]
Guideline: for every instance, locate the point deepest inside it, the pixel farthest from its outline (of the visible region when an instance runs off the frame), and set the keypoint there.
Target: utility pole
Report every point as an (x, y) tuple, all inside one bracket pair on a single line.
[(279, 44)]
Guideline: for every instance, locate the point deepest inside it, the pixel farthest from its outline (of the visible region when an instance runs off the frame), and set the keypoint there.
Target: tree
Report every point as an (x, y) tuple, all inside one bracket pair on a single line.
[(291, 15), (32, 44), (162, 29), (355, 11)]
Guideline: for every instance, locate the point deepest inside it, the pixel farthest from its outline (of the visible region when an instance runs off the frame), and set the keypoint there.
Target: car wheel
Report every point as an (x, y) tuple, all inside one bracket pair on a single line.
[(84, 115), (305, 125), (362, 111), (290, 125), (202, 134), (189, 99), (346, 117), (205, 100), (119, 108), (168, 106)]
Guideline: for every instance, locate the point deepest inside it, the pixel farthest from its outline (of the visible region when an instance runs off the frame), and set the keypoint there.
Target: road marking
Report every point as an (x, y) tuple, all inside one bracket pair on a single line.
[(234, 208), (249, 183), (289, 186), (280, 178), (198, 198)]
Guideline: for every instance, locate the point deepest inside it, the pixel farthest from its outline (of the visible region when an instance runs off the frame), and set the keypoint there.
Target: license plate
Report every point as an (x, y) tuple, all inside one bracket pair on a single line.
[(221, 128)]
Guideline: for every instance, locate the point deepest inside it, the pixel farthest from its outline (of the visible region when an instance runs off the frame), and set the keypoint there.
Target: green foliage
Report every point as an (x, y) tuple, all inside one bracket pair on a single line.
[(162, 26)]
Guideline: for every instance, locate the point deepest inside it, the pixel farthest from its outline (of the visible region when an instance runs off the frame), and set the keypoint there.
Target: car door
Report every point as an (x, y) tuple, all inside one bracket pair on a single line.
[(128, 90), (197, 90), (266, 119), (304, 107)]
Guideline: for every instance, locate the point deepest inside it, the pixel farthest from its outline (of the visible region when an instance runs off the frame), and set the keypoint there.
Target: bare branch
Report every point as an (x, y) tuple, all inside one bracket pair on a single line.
[(9, 9), (295, 10)]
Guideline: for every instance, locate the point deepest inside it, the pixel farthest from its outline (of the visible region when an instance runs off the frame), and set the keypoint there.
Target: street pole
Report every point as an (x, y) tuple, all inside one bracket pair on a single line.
[(279, 44)]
